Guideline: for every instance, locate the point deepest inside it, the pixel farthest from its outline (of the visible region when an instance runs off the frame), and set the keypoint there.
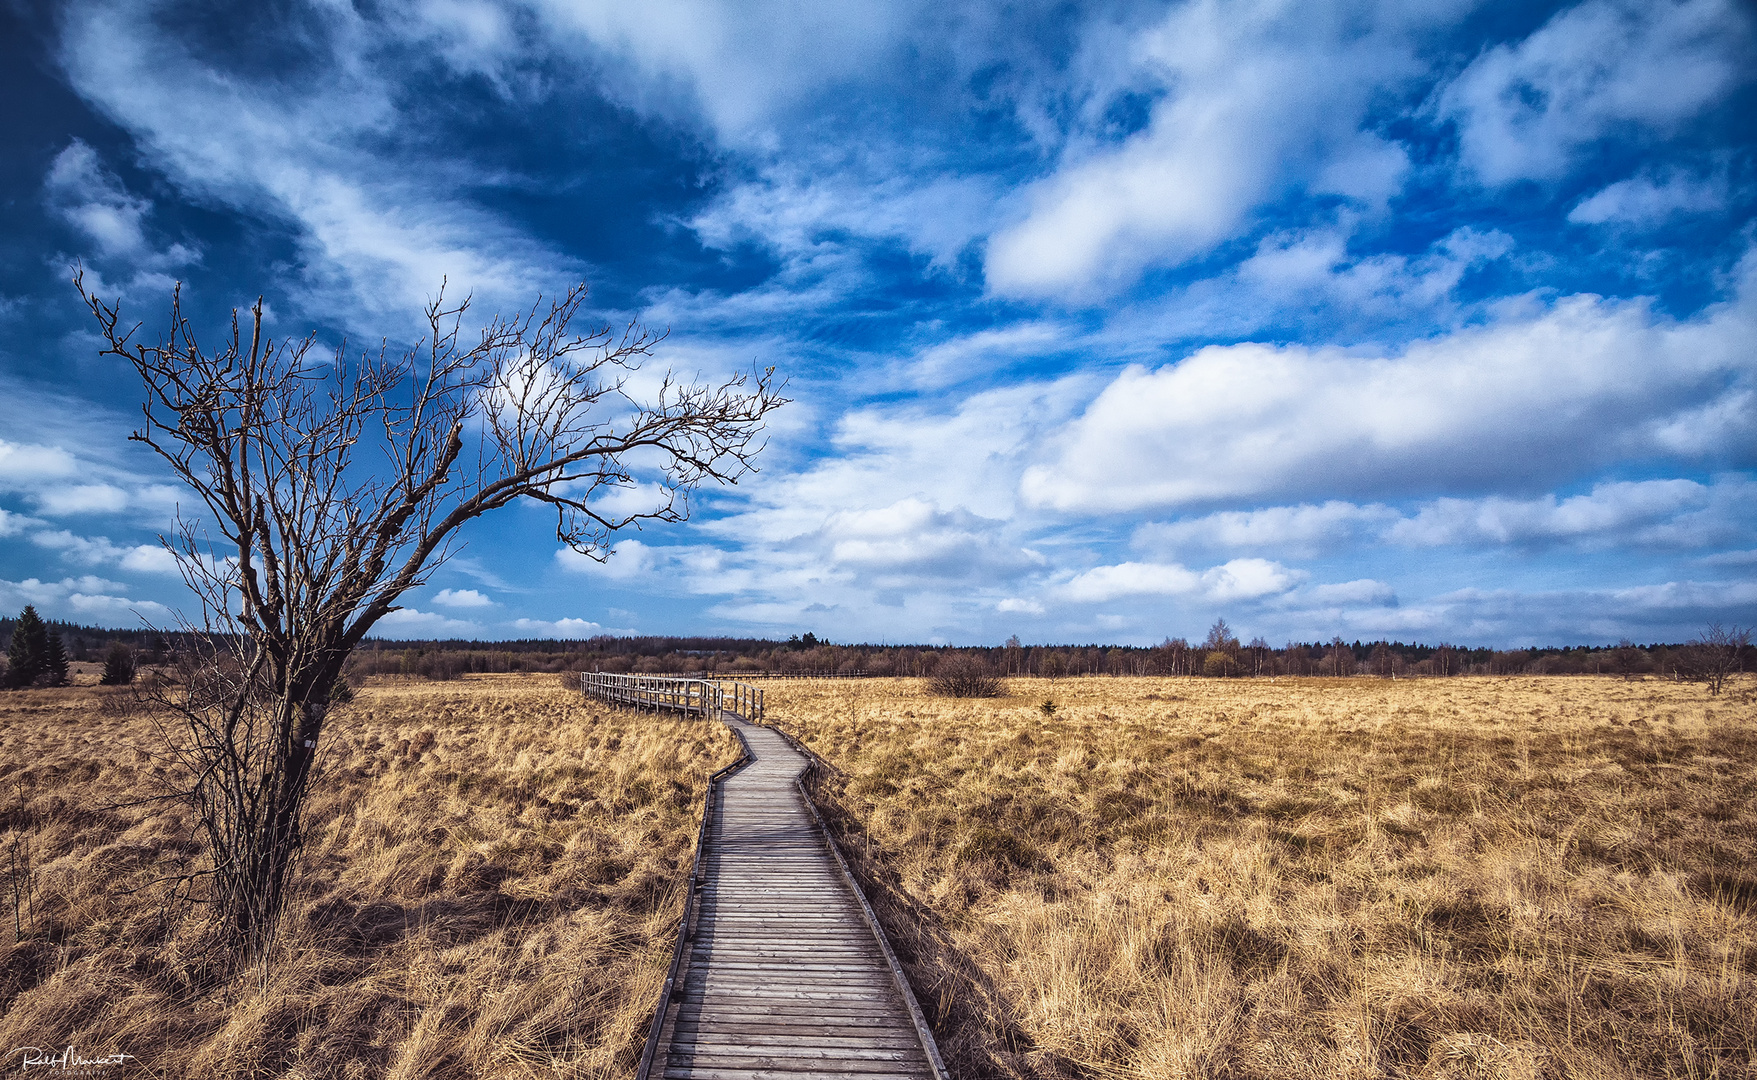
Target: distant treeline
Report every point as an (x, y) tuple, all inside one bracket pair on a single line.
[(1219, 654), (87, 643), (1175, 656)]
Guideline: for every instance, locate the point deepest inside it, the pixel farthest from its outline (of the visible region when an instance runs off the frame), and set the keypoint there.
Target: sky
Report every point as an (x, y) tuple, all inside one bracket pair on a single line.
[(1430, 321)]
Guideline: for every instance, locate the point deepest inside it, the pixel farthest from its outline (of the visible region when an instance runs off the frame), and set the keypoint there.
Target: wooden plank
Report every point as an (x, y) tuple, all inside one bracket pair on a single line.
[(717, 1072), (782, 1016), (765, 1054), (760, 1034), (786, 1070)]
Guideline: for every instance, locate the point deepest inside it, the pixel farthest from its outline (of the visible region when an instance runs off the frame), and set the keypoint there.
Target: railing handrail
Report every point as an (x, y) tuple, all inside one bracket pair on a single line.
[(690, 695)]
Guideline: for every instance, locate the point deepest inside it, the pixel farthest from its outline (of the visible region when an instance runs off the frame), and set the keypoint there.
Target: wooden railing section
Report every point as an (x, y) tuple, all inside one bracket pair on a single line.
[(671, 693)]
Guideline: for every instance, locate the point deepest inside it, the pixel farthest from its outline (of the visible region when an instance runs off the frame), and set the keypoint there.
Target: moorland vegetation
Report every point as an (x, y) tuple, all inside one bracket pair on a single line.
[(1462, 878), (490, 877)]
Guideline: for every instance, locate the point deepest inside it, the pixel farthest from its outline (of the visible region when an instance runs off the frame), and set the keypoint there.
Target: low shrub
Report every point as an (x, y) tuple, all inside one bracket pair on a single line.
[(964, 677)]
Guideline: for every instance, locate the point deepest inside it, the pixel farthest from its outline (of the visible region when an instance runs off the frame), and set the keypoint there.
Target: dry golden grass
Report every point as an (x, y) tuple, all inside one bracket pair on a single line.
[(489, 888), (1309, 878)]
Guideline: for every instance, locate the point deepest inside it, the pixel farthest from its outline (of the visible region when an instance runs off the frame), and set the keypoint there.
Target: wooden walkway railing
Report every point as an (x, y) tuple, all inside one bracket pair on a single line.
[(671, 693)]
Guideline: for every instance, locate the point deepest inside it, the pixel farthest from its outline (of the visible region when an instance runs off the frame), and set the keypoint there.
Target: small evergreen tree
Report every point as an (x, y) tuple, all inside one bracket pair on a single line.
[(28, 654), (118, 666), (54, 661)]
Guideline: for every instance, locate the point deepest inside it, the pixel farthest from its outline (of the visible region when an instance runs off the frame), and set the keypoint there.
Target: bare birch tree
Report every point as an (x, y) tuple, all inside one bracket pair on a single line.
[(335, 484)]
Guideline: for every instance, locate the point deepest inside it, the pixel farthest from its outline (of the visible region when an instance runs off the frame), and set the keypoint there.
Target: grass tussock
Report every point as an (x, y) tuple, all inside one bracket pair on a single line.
[(1511, 878), (489, 887)]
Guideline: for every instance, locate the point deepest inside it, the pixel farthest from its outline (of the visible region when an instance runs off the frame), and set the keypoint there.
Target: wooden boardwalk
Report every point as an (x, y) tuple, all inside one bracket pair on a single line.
[(783, 972)]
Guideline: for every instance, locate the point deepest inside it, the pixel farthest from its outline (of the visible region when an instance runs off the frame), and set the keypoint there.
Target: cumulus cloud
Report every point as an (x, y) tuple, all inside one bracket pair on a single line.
[(99, 551), (627, 559), (409, 623), (915, 536), (89, 600), (22, 463), (569, 629), (1529, 398), (81, 499), (1239, 579), (461, 598), (12, 524), (1523, 110)]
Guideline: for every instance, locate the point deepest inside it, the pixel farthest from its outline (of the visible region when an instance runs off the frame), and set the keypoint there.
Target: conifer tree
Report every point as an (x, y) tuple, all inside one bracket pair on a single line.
[(118, 666), (55, 661), (28, 655)]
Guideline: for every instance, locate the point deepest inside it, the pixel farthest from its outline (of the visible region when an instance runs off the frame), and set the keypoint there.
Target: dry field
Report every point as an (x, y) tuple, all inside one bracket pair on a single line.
[(1310, 878), (489, 889)]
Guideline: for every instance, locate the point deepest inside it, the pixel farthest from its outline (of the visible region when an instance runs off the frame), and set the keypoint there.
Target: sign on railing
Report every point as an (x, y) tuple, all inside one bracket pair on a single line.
[(670, 693)]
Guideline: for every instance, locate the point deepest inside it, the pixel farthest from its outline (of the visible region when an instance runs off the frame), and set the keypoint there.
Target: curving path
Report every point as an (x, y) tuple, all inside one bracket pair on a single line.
[(786, 975)]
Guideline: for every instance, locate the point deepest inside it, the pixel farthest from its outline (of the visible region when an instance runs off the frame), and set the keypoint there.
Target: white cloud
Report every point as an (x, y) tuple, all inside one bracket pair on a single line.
[(1650, 511), (1258, 96), (1524, 110), (983, 353), (1364, 592), (1676, 514), (1239, 579), (1732, 558), (94, 201), (628, 500), (1248, 579), (806, 217), (1666, 611), (12, 524), (99, 551), (461, 598), (739, 63), (81, 499), (22, 463), (413, 623), (1019, 606), (89, 600), (1290, 267), (1646, 201), (149, 559), (1304, 529), (564, 629), (378, 234), (1530, 397), (628, 559), (915, 536)]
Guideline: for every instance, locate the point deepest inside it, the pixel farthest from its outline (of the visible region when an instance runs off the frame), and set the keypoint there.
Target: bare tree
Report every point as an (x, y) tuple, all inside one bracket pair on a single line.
[(337, 484), (1717, 655)]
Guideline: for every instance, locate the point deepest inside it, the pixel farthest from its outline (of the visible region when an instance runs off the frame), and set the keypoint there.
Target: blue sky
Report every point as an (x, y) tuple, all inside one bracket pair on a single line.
[(1431, 321)]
